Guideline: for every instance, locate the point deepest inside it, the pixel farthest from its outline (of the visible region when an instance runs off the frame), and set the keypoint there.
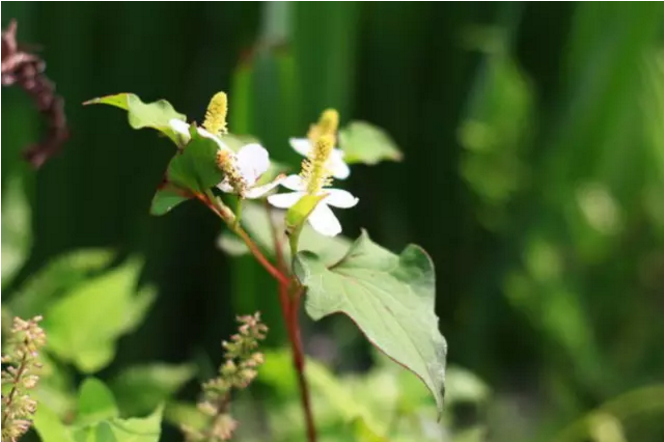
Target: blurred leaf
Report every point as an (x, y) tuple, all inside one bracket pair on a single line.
[(16, 228), (390, 298), (465, 386), (195, 167), (95, 402), (62, 273), (146, 429), (255, 219), (365, 143), (50, 428), (142, 388), (155, 115), (84, 325), (165, 199)]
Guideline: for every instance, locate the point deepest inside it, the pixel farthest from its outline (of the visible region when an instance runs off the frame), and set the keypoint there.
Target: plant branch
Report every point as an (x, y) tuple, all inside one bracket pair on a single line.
[(289, 309), (223, 213)]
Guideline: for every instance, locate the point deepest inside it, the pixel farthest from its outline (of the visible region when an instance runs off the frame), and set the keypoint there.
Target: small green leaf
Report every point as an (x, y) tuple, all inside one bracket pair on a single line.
[(165, 199), (84, 325), (391, 299), (365, 143), (155, 115), (195, 167), (141, 388), (95, 402)]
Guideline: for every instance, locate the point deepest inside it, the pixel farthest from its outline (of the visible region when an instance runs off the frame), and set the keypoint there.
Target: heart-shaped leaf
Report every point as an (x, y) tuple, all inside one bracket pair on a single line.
[(165, 199), (390, 298), (155, 115), (365, 143)]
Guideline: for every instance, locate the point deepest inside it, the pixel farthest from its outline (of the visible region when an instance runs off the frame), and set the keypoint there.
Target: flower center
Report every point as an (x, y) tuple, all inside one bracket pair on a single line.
[(227, 164), (315, 170), (215, 117)]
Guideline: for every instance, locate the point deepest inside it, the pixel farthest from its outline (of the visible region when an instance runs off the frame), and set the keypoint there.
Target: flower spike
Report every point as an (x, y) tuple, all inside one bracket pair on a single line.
[(215, 117)]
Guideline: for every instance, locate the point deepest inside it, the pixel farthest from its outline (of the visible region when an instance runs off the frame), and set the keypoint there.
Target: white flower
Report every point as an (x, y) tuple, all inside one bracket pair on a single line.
[(322, 219), (242, 170), (336, 163)]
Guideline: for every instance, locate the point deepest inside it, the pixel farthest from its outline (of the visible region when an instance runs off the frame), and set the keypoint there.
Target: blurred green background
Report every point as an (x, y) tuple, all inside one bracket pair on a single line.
[(533, 137)]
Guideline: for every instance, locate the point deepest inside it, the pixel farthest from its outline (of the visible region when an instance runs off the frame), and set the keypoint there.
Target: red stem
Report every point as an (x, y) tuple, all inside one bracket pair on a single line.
[(289, 310)]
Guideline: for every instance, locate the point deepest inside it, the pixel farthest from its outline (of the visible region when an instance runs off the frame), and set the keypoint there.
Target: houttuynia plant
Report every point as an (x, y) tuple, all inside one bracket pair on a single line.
[(389, 296)]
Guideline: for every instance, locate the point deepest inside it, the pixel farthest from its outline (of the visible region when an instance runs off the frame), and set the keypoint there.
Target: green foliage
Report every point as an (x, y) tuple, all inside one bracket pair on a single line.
[(95, 402), (194, 169), (385, 403), (85, 323), (390, 298), (156, 115), (140, 389), (16, 234), (97, 420), (366, 143)]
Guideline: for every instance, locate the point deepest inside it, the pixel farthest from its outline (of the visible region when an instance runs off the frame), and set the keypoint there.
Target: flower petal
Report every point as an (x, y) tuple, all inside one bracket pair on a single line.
[(323, 220), (260, 191), (340, 198), (301, 145), (225, 186), (285, 200), (204, 133), (294, 182), (253, 161), (179, 126), (338, 166)]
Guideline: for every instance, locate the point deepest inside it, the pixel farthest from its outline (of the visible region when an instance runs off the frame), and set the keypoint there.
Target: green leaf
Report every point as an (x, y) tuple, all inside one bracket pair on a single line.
[(391, 299), (61, 274), (84, 325), (95, 402), (155, 115), (195, 167), (141, 388), (16, 228), (49, 427), (256, 221), (165, 199), (365, 143), (146, 429)]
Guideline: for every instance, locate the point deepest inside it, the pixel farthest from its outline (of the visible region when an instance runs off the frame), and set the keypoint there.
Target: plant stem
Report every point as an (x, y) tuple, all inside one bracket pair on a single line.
[(289, 309), (211, 202)]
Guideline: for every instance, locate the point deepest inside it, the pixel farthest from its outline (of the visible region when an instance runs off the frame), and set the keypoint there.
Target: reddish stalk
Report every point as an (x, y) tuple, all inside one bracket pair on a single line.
[(289, 310)]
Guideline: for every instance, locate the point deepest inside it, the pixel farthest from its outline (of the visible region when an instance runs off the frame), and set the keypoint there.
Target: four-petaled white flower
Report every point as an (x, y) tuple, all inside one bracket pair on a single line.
[(336, 163), (242, 170), (322, 219)]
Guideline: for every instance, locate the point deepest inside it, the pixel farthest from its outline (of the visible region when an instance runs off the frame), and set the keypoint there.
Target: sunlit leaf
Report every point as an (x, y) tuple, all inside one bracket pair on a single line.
[(155, 115), (146, 429), (84, 325), (95, 402), (365, 143), (391, 299), (50, 428)]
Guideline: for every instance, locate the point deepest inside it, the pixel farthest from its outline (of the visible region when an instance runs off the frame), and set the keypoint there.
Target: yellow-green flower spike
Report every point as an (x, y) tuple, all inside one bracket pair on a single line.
[(215, 117), (328, 123), (315, 170), (226, 163)]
